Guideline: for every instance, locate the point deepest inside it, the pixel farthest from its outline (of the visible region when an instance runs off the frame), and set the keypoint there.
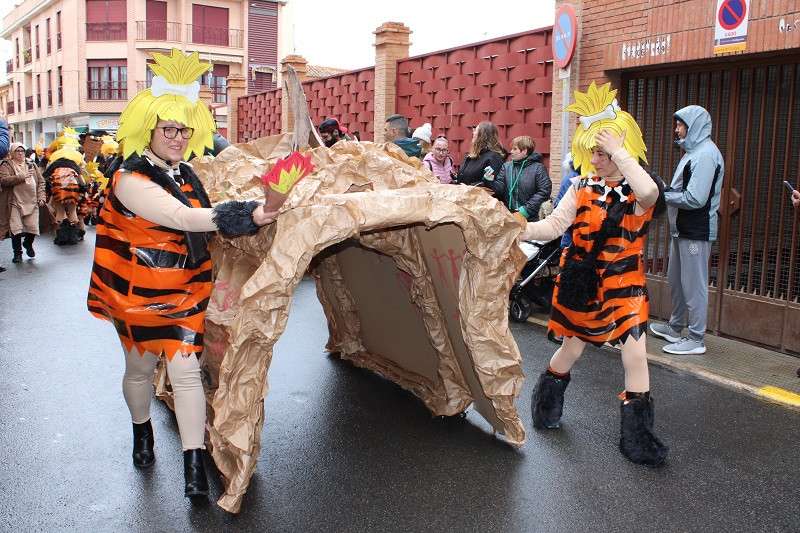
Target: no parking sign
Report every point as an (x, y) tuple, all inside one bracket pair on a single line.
[(730, 34), (565, 35)]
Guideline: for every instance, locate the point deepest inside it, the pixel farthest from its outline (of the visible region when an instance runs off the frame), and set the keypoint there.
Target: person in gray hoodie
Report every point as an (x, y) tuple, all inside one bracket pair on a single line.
[(693, 199)]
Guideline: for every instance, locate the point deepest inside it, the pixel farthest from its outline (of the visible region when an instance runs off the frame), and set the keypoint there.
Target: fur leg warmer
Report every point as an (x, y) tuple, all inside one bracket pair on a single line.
[(62, 233), (236, 218), (637, 441), (548, 400)]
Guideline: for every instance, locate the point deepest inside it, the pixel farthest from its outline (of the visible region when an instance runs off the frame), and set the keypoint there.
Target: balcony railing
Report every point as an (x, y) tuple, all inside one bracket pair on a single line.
[(106, 31), (26, 55), (216, 36), (9, 66), (10, 108), (155, 30), (29, 103), (107, 90), (142, 85)]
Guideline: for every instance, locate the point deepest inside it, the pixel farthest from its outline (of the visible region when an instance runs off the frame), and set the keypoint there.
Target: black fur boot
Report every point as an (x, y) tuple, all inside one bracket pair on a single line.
[(637, 441), (548, 400), (62, 233), (194, 472), (74, 233), (143, 456)]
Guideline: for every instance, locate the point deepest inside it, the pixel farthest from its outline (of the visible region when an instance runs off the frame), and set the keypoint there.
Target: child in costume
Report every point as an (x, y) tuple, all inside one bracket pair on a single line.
[(601, 295), (152, 267)]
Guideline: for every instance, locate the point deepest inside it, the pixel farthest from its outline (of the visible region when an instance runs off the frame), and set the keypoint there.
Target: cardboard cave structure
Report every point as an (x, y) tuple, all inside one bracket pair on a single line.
[(413, 277)]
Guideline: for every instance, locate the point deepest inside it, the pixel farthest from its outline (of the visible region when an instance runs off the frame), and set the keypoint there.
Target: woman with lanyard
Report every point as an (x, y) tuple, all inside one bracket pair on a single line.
[(523, 183)]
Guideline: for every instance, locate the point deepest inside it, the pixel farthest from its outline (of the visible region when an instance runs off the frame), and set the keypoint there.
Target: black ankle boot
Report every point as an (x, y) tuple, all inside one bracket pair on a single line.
[(27, 243), (194, 472), (73, 233), (548, 400), (637, 441), (143, 456), (16, 246)]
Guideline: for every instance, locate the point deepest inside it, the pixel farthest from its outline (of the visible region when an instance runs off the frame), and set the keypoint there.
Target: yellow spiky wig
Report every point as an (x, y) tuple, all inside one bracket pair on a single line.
[(598, 110), (67, 137), (109, 146), (173, 96), (68, 153)]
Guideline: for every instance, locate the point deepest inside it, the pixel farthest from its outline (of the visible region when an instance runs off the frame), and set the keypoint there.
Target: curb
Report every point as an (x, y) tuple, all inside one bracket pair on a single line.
[(766, 392)]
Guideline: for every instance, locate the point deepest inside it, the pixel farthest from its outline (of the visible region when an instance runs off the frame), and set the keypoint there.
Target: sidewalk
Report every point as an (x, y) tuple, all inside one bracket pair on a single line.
[(758, 371)]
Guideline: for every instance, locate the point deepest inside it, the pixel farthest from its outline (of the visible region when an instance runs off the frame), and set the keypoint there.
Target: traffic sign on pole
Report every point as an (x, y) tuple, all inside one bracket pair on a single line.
[(565, 35)]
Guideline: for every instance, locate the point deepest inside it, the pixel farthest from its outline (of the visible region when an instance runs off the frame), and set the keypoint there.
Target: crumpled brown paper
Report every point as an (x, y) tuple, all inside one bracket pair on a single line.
[(365, 207)]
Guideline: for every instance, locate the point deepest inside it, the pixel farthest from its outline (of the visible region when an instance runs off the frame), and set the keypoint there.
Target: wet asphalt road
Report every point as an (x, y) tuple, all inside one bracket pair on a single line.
[(345, 450)]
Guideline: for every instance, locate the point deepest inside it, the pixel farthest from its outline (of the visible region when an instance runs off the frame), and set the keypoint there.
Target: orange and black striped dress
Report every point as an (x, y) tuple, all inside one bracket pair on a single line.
[(622, 305), (64, 185), (152, 282)]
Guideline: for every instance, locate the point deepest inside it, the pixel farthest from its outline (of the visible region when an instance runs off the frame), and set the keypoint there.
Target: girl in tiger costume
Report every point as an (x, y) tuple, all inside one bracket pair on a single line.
[(152, 268), (601, 295)]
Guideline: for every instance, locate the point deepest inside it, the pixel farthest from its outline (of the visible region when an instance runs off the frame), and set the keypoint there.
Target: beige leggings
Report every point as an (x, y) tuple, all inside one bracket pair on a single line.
[(68, 211), (187, 389), (634, 361)]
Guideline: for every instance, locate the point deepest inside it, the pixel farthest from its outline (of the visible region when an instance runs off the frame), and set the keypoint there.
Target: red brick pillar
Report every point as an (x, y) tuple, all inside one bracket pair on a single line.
[(237, 87), (391, 44), (300, 65)]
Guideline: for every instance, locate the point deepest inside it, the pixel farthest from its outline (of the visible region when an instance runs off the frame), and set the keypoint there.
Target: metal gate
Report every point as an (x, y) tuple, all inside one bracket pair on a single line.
[(755, 110)]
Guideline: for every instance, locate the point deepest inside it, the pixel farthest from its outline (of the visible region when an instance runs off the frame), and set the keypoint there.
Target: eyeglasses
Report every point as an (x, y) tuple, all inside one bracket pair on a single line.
[(20, 150), (441, 150), (170, 132)]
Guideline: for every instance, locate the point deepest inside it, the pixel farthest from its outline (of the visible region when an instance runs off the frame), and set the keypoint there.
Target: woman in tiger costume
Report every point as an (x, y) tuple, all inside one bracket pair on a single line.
[(64, 176), (152, 268), (601, 295)]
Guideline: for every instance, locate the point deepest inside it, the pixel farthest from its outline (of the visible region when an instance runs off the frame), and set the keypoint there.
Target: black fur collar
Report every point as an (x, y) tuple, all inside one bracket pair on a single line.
[(142, 165), (59, 163)]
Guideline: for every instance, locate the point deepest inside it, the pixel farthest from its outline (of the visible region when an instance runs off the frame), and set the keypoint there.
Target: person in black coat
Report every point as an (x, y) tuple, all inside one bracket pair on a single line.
[(484, 151), (523, 183)]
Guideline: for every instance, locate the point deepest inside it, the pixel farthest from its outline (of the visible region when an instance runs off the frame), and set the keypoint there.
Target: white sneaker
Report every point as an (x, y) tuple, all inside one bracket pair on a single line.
[(665, 332), (686, 346)]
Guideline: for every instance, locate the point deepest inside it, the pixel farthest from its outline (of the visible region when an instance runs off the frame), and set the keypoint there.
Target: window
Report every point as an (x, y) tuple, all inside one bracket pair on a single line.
[(49, 88), (60, 86), (36, 40), (108, 79), (19, 98), (58, 31), (106, 20), (209, 25), (156, 28), (38, 91), (17, 42), (47, 35), (217, 79)]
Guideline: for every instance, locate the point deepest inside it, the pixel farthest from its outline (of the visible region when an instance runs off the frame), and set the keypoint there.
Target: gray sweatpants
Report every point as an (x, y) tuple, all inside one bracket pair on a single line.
[(688, 285)]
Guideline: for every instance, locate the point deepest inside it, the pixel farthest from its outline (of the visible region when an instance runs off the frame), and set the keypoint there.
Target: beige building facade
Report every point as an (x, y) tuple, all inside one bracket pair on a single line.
[(78, 62)]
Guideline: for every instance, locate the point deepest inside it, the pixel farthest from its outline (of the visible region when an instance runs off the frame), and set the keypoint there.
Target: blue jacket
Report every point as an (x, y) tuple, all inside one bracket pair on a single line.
[(693, 197), (5, 139)]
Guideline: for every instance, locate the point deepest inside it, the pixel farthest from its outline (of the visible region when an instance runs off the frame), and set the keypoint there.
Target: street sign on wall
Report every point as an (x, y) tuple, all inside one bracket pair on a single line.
[(730, 32), (565, 35)]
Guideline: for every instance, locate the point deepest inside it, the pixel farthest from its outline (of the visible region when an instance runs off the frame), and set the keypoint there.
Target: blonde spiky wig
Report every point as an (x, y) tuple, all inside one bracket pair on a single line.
[(173, 96), (598, 110), (68, 153), (109, 146)]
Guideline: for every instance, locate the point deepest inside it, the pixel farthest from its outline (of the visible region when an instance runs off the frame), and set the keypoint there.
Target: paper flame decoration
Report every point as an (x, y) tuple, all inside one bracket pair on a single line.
[(287, 172)]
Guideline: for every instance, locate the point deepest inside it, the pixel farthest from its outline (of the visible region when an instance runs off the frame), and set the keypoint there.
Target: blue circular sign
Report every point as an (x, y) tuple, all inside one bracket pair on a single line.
[(565, 36)]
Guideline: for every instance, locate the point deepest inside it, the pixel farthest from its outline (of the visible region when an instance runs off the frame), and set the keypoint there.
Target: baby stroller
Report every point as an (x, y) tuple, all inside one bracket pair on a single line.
[(537, 280)]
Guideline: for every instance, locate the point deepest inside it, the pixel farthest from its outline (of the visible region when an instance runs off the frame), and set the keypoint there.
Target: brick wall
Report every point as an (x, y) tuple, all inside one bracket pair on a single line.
[(508, 81)]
